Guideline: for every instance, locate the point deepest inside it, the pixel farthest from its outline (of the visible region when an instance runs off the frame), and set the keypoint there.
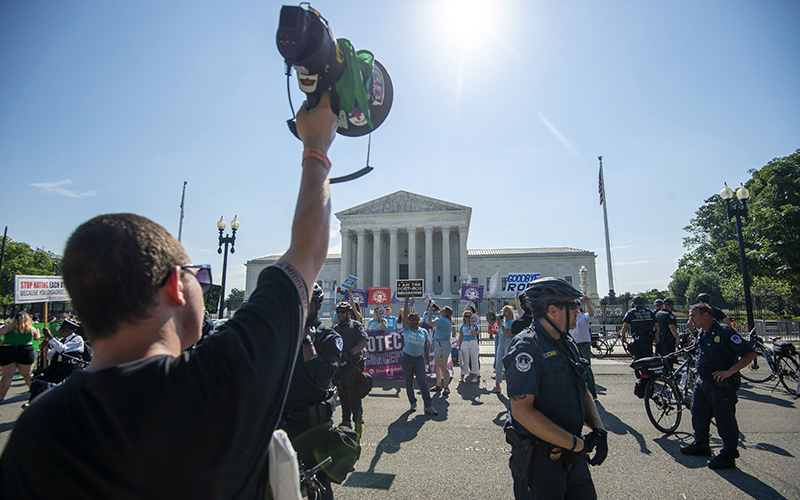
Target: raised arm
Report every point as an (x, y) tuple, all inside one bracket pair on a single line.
[(405, 313), (312, 216)]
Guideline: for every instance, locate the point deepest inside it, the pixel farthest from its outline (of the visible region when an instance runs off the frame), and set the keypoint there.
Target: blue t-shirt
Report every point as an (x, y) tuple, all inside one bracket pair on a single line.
[(443, 326), (468, 330), (375, 326), (414, 341)]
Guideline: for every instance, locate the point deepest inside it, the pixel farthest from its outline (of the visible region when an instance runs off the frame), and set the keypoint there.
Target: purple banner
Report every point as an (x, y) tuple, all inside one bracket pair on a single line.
[(360, 296), (384, 350), (472, 292)]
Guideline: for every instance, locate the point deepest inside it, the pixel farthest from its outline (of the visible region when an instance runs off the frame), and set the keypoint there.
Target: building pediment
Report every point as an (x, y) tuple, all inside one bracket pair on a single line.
[(402, 202)]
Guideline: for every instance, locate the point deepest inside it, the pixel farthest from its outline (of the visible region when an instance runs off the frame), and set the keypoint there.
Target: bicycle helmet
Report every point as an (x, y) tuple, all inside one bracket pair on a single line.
[(545, 291), (317, 295), (669, 302), (704, 297), (637, 301), (344, 305), (658, 302)]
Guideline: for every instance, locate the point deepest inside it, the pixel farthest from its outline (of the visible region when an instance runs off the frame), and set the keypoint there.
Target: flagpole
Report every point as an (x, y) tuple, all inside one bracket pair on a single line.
[(180, 226), (605, 221)]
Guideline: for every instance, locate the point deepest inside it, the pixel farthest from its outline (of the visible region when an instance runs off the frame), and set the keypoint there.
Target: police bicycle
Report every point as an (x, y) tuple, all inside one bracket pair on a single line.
[(309, 484), (666, 392), (603, 344), (780, 363)]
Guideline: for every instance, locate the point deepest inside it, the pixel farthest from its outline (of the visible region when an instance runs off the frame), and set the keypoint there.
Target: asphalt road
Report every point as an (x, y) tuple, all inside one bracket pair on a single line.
[(461, 453)]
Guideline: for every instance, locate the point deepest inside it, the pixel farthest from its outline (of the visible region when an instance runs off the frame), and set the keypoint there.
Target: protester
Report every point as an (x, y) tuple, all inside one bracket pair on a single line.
[(145, 421), (468, 347), (355, 340), (416, 345), (442, 321), (504, 322), (550, 402), (16, 351), (65, 357)]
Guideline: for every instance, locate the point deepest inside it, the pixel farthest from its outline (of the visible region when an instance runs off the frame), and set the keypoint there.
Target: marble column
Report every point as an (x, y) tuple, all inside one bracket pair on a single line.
[(376, 258), (344, 269), (360, 268), (393, 257), (447, 274), (428, 260), (462, 246), (412, 253)]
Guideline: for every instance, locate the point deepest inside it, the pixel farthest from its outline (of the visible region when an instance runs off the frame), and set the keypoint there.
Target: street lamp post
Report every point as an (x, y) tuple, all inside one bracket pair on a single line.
[(732, 211), (225, 240)]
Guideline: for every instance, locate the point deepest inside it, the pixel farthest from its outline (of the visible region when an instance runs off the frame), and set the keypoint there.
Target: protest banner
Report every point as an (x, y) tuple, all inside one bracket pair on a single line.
[(518, 282), (380, 294), (409, 288), (29, 289), (384, 351), (359, 296), (493, 284), (472, 292)]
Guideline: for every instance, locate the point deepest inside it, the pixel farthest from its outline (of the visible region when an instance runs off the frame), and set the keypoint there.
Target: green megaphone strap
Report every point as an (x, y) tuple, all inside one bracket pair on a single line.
[(351, 87)]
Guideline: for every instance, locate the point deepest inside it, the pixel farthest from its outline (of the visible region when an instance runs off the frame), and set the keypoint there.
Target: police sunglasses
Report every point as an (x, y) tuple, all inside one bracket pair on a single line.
[(203, 275)]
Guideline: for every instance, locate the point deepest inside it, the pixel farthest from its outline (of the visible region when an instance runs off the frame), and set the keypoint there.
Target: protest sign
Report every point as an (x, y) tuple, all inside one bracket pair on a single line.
[(472, 292), (493, 284), (39, 289), (349, 282), (518, 282), (359, 296), (409, 288), (384, 351), (380, 294)]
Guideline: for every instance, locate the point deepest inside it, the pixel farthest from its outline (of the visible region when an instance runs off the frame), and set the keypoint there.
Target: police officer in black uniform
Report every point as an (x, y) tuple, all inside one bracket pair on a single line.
[(550, 403), (523, 321), (668, 329), (355, 340), (718, 314), (309, 401), (642, 323), (723, 352)]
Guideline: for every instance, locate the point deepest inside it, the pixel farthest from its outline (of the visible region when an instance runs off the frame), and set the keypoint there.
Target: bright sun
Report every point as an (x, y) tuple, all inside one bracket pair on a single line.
[(466, 25)]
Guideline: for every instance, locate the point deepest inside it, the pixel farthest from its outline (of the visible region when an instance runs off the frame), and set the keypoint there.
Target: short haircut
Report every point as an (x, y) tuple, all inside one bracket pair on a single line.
[(702, 307), (412, 315), (113, 267)]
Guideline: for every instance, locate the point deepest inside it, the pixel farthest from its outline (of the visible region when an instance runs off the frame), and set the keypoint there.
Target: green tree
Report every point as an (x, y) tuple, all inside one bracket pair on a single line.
[(709, 283), (679, 285), (21, 258), (771, 236), (235, 299)]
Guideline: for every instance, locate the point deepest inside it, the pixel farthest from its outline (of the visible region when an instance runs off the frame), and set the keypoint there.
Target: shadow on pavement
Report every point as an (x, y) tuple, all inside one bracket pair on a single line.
[(764, 398), (749, 484), (398, 432), (500, 419), (617, 426), (672, 444), (471, 392), (771, 448)]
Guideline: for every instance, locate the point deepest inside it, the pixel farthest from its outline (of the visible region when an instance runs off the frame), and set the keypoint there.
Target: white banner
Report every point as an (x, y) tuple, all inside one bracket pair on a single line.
[(518, 282), (39, 289)]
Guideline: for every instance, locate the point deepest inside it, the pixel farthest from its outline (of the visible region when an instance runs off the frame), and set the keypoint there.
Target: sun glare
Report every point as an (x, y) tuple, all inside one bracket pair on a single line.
[(466, 25)]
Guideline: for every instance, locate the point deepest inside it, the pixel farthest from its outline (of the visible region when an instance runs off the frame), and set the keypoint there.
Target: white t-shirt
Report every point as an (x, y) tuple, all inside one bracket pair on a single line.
[(581, 332)]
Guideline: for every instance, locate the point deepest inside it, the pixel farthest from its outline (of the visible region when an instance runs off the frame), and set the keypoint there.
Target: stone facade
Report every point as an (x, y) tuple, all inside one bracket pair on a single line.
[(406, 235)]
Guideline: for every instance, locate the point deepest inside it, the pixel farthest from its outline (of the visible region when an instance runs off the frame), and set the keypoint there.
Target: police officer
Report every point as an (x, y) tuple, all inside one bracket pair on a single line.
[(719, 315), (355, 340), (641, 322), (658, 305), (308, 403), (668, 329), (550, 402), (722, 354)]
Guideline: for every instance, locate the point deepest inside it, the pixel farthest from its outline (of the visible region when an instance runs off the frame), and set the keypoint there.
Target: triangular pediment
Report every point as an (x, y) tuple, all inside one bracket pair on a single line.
[(403, 202)]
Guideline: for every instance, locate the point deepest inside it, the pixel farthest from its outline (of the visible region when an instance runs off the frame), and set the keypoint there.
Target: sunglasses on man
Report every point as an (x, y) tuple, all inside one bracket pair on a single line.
[(203, 275)]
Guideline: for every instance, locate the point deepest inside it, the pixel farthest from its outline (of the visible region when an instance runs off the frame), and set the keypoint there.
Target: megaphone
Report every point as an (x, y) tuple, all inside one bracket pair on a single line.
[(361, 90), (491, 317)]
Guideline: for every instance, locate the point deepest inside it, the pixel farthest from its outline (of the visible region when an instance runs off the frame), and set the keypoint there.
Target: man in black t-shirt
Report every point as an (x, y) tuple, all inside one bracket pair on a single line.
[(146, 420), (668, 329), (716, 312)]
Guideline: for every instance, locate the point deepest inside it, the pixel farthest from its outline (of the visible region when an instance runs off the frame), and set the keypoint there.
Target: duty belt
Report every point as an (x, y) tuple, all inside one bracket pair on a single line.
[(320, 409)]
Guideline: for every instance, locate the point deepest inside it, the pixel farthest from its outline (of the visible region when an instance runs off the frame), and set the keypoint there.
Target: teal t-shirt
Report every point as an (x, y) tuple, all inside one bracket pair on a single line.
[(443, 326), (414, 341), (468, 332)]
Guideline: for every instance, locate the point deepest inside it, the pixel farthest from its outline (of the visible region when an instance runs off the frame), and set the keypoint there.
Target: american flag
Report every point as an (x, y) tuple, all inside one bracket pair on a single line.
[(600, 185)]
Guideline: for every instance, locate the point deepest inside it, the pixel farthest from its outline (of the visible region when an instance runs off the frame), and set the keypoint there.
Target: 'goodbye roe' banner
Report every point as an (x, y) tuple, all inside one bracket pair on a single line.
[(39, 289)]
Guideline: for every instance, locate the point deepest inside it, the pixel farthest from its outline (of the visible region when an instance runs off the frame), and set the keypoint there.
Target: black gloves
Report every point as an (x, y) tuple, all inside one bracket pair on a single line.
[(598, 438)]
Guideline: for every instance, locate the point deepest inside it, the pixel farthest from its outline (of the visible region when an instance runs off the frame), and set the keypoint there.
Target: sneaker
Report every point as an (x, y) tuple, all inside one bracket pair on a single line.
[(494, 390), (446, 391), (414, 406), (722, 461), (430, 410), (697, 449)]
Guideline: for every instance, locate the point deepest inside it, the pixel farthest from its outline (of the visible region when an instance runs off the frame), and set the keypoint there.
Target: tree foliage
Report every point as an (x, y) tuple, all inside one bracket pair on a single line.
[(21, 258), (771, 236), (235, 299)]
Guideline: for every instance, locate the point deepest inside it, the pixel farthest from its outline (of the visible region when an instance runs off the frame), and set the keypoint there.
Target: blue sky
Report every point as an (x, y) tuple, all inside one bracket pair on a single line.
[(502, 106)]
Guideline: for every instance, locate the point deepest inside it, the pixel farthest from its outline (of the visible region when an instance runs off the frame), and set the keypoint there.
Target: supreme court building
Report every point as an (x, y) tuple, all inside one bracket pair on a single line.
[(409, 236)]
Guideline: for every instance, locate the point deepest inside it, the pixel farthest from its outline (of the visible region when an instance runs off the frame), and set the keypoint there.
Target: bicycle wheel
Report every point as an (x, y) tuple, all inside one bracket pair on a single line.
[(625, 346), (661, 400), (599, 348), (787, 371), (758, 371)]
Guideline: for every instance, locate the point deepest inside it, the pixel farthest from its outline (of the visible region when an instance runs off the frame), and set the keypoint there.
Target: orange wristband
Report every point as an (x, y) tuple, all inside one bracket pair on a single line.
[(319, 155)]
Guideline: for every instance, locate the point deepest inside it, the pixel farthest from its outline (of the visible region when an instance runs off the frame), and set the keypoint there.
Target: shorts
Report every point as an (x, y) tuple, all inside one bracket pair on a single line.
[(20, 354), (441, 348)]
